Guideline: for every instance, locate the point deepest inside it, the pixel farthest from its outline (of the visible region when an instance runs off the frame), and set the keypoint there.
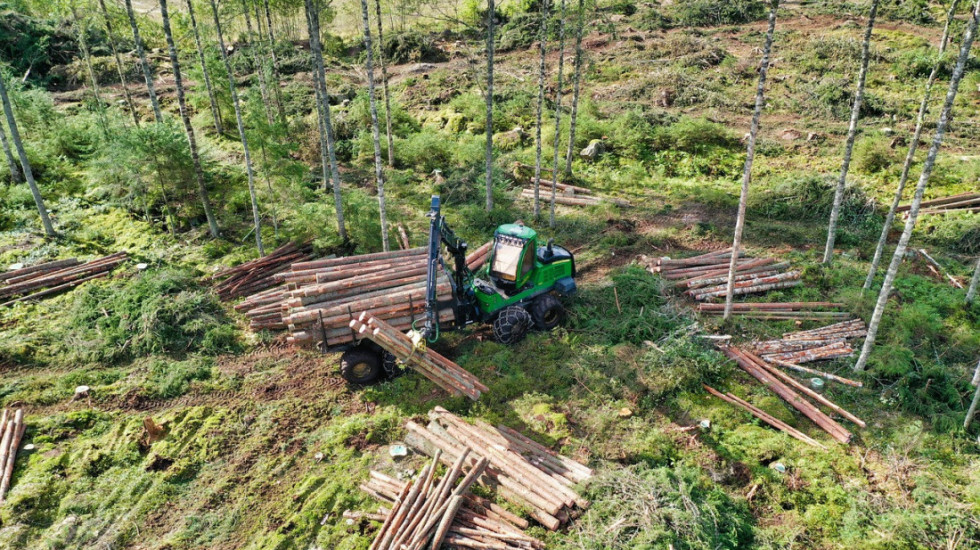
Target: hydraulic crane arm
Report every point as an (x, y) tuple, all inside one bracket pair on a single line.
[(440, 233)]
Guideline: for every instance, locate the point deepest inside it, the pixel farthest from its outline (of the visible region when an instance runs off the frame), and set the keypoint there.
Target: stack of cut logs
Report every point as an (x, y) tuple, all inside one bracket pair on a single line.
[(964, 202), (12, 429), (522, 471), (705, 277), (443, 372), (829, 342), (260, 273), (790, 390), (426, 513), (568, 195), (795, 311), (44, 280), (476, 259)]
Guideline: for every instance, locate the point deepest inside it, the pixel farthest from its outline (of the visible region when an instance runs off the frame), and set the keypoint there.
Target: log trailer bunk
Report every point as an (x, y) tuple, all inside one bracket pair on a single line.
[(517, 288)]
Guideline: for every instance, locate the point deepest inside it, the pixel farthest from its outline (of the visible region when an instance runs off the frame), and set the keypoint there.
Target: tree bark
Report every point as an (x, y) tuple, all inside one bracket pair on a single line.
[(973, 406), (976, 375), (384, 85), (258, 65), (185, 117), (561, 68), (276, 91), (215, 109), (93, 82), (579, 59), (119, 63), (828, 252), (147, 72), (327, 149), (15, 175), (760, 102), (913, 146), (375, 133), (937, 140), (489, 130), (971, 291), (241, 130), (24, 163), (542, 41)]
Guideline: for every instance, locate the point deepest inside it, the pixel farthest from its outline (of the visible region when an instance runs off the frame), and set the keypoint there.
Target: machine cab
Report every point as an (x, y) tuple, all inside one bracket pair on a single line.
[(512, 257)]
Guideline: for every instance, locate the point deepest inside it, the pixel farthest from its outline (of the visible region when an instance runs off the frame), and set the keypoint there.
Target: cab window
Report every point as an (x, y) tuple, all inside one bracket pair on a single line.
[(528, 263), (506, 258)]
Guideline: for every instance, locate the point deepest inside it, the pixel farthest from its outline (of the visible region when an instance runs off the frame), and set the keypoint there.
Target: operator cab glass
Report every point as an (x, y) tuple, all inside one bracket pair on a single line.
[(512, 256)]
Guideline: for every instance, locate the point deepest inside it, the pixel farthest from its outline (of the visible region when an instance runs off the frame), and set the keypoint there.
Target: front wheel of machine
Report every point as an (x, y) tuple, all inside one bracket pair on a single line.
[(361, 366), (547, 311), (511, 325)]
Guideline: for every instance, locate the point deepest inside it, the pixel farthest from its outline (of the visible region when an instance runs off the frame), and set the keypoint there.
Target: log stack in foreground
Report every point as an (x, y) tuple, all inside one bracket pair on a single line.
[(443, 372), (259, 274), (829, 342), (522, 471), (705, 277), (12, 427), (428, 512), (790, 391), (44, 280)]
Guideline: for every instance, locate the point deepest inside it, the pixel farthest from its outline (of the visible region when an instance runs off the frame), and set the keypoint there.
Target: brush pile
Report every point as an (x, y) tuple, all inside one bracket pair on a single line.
[(443, 372), (705, 277), (964, 202), (12, 429), (522, 471), (260, 273), (790, 390), (568, 195), (794, 311), (44, 280), (427, 513), (829, 342)]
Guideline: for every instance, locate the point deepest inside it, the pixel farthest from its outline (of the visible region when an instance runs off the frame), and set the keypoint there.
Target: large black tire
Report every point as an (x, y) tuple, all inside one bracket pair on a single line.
[(511, 325), (390, 364), (547, 312), (361, 366)]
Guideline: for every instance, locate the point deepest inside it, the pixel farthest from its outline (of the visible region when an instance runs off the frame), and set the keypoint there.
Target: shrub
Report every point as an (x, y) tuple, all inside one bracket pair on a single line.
[(169, 379), (702, 13), (872, 155), (810, 198), (411, 46), (159, 312)]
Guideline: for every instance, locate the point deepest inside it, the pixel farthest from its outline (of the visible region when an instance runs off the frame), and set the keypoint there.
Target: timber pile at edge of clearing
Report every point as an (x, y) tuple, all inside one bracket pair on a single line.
[(12, 428), (51, 278)]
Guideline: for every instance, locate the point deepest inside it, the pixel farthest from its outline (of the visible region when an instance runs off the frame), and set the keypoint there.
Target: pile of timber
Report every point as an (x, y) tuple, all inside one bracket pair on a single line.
[(521, 471), (428, 512), (476, 259), (796, 311), (12, 429), (569, 195), (790, 390), (44, 280), (443, 372), (259, 274), (829, 342), (964, 202), (705, 277)]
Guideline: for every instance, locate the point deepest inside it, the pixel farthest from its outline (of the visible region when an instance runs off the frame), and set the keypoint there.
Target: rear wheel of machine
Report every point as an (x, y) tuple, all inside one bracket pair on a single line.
[(511, 325), (361, 366), (547, 311)]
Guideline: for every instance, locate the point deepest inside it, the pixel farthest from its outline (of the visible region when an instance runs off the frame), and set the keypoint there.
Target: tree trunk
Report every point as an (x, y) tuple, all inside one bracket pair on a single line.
[(11, 163), (542, 41), (937, 140), (276, 91), (147, 72), (277, 70), (93, 82), (384, 85), (561, 68), (913, 146), (973, 407), (971, 291), (241, 130), (185, 117), (375, 133), (215, 109), (327, 149), (760, 101), (579, 58), (828, 252), (257, 64), (119, 63), (489, 153), (976, 375), (24, 163)]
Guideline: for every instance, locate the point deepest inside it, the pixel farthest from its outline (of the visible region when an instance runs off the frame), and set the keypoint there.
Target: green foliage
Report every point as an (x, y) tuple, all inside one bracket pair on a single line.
[(411, 46), (873, 155), (811, 197), (704, 13), (35, 44), (158, 312), (168, 379)]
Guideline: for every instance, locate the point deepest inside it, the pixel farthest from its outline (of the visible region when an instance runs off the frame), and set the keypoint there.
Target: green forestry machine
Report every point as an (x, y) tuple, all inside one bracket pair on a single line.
[(517, 288)]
